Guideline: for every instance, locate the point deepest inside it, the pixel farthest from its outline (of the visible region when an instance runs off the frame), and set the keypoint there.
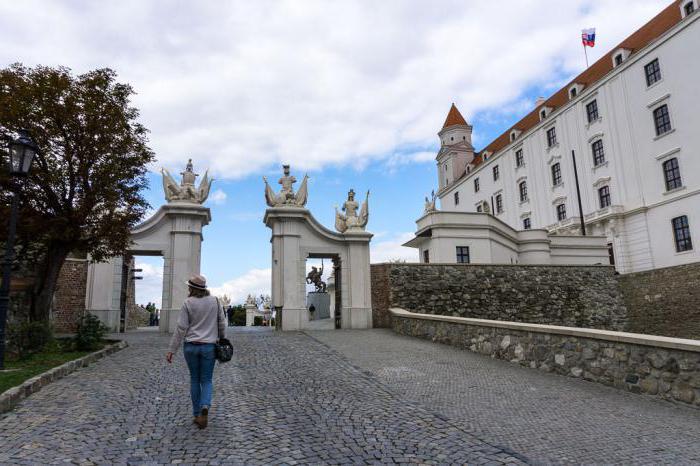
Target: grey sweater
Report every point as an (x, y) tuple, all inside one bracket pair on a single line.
[(201, 320)]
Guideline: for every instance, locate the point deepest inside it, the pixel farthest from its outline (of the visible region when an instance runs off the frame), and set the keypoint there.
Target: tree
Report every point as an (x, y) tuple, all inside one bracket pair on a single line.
[(84, 191)]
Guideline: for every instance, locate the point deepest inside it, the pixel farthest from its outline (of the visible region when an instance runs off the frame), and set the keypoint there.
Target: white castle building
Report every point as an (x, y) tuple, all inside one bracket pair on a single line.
[(632, 121)]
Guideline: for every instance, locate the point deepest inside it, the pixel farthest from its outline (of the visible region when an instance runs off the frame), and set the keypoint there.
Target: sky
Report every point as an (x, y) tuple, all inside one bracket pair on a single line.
[(350, 92)]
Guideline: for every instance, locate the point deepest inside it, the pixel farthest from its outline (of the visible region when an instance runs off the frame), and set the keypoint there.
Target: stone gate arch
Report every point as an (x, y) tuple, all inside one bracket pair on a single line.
[(173, 232), (298, 236)]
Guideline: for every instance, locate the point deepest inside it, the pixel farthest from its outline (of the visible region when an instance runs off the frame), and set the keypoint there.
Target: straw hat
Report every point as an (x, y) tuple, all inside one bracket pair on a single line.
[(198, 282)]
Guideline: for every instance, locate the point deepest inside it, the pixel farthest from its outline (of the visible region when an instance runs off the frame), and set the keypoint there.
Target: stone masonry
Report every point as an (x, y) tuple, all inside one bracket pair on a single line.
[(669, 373), (664, 301), (576, 296), (69, 298)]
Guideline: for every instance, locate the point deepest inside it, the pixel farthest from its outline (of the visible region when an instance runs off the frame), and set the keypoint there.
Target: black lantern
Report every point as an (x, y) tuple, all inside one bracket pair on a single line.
[(22, 152)]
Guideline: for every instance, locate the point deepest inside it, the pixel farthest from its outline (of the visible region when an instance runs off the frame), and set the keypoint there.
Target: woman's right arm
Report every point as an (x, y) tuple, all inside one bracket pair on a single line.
[(183, 323)]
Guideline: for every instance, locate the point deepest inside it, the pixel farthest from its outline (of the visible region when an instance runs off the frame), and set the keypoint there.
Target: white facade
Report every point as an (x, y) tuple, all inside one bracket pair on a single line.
[(479, 238), (638, 221)]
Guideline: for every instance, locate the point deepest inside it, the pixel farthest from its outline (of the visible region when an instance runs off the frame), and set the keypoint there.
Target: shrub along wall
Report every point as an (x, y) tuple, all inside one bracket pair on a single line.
[(664, 301), (576, 296), (666, 367)]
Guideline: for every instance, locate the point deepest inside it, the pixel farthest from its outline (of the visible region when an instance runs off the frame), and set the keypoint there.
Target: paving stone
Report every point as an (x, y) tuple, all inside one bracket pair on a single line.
[(542, 417), (285, 398)]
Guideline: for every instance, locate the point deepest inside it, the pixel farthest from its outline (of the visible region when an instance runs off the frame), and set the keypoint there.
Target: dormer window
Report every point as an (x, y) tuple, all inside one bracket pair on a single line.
[(514, 134), (544, 112), (619, 56), (575, 90), (486, 154), (688, 7)]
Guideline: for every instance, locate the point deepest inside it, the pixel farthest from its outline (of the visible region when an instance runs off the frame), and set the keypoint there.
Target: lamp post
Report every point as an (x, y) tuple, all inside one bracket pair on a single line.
[(22, 151)]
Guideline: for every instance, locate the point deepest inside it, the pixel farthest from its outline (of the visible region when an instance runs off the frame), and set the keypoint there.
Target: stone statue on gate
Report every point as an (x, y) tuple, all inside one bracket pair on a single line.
[(430, 203), (287, 197), (185, 190), (350, 220), (314, 278)]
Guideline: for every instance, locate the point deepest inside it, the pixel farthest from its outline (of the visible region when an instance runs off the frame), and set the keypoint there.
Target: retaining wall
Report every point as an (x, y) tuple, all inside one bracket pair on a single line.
[(664, 301), (666, 367), (576, 296)]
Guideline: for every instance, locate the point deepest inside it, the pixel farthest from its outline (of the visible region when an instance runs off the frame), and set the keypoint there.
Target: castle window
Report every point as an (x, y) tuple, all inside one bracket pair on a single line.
[(426, 257), (479, 208), (456, 198), (519, 159), (592, 111), (573, 92), (476, 185), (556, 174), (499, 204), (618, 59), (551, 137), (672, 174), (462, 254), (652, 71), (495, 173), (561, 212), (543, 114), (522, 187), (681, 233), (662, 120), (598, 152), (604, 197), (526, 223)]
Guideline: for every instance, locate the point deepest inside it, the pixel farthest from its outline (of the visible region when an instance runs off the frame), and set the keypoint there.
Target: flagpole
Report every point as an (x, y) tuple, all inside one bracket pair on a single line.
[(585, 54)]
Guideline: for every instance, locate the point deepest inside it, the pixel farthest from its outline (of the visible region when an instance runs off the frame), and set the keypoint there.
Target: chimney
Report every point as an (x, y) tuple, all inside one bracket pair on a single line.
[(539, 101)]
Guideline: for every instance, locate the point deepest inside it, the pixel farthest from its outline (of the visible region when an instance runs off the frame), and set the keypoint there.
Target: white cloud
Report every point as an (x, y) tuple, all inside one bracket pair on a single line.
[(242, 85), (392, 250), (150, 288), (218, 197), (254, 281)]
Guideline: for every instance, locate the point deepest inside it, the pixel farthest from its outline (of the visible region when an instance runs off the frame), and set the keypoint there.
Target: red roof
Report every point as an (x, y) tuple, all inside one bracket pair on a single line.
[(454, 118), (645, 35)]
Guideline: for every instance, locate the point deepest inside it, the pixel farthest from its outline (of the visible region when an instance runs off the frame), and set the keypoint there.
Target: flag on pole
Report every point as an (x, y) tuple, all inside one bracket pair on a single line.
[(588, 37)]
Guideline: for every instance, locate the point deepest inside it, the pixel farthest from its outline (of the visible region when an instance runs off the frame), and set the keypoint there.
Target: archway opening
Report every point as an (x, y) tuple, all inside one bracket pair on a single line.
[(144, 312), (323, 297)]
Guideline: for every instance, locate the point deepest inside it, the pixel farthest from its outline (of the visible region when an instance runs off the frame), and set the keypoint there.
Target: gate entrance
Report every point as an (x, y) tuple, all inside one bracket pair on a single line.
[(173, 232), (298, 236)]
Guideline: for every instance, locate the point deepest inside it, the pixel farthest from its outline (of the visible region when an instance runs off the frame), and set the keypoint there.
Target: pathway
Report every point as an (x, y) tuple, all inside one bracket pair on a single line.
[(340, 397)]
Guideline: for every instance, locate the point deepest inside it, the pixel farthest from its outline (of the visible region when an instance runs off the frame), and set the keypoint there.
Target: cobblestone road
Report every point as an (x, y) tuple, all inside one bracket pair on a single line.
[(546, 417), (286, 398)]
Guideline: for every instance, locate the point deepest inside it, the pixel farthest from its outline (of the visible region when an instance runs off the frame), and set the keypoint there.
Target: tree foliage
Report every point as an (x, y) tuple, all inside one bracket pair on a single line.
[(84, 191)]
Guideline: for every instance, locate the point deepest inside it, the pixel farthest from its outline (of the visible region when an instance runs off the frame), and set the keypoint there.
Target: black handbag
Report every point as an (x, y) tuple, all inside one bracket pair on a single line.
[(223, 349)]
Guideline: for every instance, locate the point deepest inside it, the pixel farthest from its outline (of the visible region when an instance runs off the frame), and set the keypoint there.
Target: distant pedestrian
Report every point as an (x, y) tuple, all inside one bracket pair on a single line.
[(201, 324)]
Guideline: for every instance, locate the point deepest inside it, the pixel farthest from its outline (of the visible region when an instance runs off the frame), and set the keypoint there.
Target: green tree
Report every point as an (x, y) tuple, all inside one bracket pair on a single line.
[(84, 191)]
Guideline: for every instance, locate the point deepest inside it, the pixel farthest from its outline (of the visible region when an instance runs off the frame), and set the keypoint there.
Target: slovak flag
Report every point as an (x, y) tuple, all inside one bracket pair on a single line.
[(588, 37)]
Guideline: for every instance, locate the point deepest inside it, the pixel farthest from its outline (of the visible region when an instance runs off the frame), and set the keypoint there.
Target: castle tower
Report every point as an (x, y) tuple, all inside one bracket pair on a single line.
[(456, 149)]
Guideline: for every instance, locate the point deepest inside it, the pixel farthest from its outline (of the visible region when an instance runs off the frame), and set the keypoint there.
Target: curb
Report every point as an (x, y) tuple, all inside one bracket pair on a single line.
[(11, 397)]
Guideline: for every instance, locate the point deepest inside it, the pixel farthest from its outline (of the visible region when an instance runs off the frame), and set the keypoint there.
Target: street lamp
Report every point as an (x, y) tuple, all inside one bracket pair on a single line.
[(22, 151)]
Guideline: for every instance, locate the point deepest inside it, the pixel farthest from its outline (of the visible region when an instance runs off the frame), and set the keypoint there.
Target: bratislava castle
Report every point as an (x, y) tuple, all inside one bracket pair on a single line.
[(625, 134)]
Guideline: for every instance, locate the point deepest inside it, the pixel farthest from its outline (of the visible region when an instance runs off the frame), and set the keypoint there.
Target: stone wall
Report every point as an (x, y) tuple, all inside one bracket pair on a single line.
[(664, 301), (577, 296), (69, 298), (608, 358)]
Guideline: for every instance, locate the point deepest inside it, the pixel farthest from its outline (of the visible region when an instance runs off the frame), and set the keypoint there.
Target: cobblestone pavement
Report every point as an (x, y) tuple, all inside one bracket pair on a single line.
[(546, 417), (285, 398)]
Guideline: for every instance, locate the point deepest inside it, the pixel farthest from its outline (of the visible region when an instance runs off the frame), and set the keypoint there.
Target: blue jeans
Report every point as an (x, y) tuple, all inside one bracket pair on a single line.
[(200, 360)]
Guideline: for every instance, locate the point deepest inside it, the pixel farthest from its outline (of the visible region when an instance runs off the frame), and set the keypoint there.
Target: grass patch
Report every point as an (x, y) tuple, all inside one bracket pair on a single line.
[(53, 355)]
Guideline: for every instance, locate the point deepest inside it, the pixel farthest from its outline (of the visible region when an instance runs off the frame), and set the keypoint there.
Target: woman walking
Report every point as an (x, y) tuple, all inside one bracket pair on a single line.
[(201, 324)]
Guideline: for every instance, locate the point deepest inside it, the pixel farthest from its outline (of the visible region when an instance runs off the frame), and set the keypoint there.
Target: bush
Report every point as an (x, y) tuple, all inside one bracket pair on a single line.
[(257, 321), (26, 338), (90, 333)]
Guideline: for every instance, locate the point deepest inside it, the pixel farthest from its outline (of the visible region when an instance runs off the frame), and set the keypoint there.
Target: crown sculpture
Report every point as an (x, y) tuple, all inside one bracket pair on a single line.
[(186, 191), (350, 221), (287, 197)]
